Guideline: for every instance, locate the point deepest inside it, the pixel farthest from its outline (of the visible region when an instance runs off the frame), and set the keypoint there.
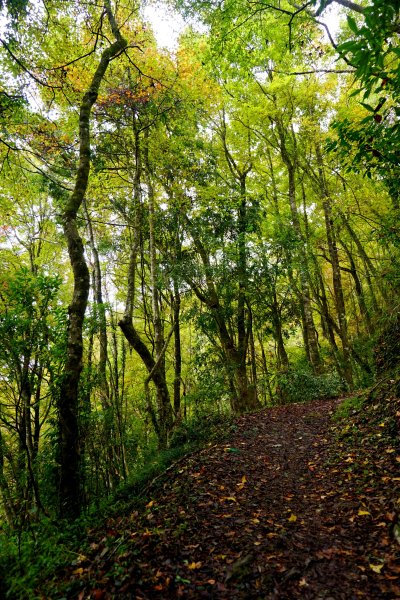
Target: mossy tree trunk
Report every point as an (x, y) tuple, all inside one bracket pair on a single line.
[(68, 409)]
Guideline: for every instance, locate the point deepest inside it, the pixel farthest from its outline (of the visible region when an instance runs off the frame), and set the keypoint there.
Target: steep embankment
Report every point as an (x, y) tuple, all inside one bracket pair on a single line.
[(289, 508)]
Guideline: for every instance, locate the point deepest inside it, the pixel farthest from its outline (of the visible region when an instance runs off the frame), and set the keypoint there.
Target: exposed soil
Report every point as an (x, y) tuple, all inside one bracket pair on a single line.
[(285, 510)]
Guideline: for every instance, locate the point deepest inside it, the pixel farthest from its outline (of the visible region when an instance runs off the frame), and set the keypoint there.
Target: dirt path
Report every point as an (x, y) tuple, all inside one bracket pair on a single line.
[(269, 516)]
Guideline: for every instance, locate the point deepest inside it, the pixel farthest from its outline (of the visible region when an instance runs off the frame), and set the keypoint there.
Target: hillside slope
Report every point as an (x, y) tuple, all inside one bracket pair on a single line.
[(294, 506)]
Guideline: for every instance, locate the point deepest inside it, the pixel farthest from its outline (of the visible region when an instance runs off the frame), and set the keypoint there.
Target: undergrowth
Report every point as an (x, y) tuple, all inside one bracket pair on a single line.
[(299, 384), (349, 407), (40, 552)]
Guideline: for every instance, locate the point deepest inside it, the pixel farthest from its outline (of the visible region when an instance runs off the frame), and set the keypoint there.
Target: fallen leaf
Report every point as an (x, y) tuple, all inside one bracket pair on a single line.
[(292, 518), (242, 483), (376, 568)]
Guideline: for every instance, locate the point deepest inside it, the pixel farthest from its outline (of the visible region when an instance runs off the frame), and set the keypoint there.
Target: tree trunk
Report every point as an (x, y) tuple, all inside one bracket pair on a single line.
[(310, 333), (165, 415), (282, 357), (69, 440), (359, 289), (176, 301), (370, 270), (336, 274)]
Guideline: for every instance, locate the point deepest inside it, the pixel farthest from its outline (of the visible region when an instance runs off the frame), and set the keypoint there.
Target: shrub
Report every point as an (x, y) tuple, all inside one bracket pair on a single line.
[(301, 385)]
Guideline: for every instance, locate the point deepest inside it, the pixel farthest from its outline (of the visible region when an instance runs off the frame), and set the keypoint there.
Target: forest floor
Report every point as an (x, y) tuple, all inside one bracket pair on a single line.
[(294, 505)]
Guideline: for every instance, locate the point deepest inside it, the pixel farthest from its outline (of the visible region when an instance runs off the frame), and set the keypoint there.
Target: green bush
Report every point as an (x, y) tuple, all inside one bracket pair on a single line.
[(301, 385)]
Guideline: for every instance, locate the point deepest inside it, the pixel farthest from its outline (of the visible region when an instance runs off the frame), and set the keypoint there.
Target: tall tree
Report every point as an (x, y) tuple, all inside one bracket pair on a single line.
[(68, 405)]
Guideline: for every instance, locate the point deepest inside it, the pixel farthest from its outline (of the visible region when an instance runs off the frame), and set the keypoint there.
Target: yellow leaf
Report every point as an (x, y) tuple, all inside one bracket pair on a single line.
[(241, 484), (78, 571), (376, 568), (292, 518), (150, 504), (362, 512), (256, 521), (194, 565), (81, 558)]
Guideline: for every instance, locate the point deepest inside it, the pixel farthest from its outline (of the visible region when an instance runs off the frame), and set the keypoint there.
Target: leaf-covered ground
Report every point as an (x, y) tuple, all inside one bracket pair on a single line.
[(293, 506)]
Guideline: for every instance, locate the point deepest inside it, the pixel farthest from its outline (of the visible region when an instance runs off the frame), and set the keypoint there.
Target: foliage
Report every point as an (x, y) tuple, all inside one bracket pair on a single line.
[(34, 555), (301, 385), (247, 261), (349, 407), (371, 143)]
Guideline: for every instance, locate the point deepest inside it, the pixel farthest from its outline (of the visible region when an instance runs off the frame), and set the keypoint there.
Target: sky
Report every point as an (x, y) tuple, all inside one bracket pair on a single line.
[(167, 24)]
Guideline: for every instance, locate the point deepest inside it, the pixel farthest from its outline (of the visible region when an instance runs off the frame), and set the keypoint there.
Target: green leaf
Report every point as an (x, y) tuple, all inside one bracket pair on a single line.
[(352, 24), (367, 106), (180, 579), (350, 46)]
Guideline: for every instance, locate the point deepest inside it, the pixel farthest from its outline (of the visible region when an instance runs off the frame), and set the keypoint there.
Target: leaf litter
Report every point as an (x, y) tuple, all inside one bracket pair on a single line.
[(291, 508)]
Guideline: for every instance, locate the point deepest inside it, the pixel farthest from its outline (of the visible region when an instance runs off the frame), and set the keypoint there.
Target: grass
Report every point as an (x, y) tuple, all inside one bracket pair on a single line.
[(349, 407)]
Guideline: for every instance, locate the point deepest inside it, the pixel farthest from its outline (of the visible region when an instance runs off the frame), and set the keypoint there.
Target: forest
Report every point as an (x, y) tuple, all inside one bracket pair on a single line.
[(188, 236)]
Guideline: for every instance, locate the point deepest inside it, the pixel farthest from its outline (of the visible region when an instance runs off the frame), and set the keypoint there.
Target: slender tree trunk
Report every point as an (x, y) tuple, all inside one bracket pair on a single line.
[(101, 315), (69, 439), (282, 357), (8, 503), (265, 369), (177, 349), (104, 387), (359, 289), (163, 423), (370, 270), (246, 395), (336, 273), (310, 333), (163, 400)]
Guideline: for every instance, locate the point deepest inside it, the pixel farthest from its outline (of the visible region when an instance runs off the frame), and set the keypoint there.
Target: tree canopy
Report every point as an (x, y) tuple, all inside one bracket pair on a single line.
[(185, 233)]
